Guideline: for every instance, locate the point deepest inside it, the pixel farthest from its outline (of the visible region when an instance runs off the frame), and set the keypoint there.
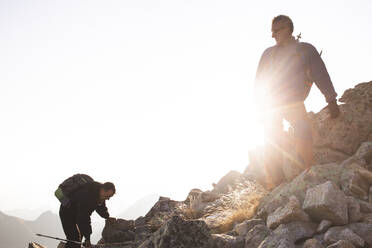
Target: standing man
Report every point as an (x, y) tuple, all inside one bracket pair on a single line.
[(75, 218), (283, 80)]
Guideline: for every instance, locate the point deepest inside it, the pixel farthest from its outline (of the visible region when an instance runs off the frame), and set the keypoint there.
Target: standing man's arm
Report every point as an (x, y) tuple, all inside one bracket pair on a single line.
[(320, 74), (322, 79)]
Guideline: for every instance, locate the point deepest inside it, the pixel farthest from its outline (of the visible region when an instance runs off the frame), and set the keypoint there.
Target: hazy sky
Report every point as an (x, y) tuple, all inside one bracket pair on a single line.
[(152, 95)]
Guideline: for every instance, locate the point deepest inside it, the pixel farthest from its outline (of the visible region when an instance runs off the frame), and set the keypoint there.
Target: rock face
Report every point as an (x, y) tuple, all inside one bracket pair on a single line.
[(118, 231), (326, 201)]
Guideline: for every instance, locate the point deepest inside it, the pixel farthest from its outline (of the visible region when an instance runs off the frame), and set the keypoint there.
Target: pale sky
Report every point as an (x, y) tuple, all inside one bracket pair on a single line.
[(154, 96)]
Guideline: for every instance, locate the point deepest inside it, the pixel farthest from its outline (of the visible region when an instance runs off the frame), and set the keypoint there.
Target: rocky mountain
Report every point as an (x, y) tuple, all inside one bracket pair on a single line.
[(329, 205), (47, 223), (27, 214), (16, 232)]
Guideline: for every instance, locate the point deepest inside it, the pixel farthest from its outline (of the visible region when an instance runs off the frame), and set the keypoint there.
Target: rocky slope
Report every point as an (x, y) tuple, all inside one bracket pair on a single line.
[(329, 205)]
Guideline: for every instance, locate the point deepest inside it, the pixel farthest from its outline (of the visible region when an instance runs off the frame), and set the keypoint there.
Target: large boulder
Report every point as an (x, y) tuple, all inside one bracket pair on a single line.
[(225, 241), (298, 186), (256, 235), (119, 230), (289, 234), (365, 207), (341, 137), (312, 243), (243, 228), (326, 201), (227, 183), (341, 244), (324, 225), (335, 234), (353, 209), (292, 211), (364, 154), (353, 183), (179, 233), (363, 230)]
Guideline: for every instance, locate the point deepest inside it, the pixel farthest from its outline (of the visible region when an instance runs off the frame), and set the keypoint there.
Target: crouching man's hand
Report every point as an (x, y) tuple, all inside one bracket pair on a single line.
[(110, 220), (87, 243)]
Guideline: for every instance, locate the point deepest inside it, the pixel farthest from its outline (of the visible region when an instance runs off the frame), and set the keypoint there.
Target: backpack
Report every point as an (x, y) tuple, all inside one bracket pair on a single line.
[(69, 186)]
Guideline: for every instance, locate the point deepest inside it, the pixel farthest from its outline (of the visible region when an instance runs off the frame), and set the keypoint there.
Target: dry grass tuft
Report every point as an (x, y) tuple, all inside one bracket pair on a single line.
[(244, 212), (189, 214)]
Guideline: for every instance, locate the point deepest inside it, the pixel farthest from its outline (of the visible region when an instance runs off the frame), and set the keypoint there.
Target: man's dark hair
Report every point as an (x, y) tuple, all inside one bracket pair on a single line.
[(285, 19), (109, 186)]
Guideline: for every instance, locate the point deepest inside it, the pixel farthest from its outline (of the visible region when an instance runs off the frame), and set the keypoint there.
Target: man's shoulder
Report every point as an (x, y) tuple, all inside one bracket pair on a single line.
[(92, 186), (88, 189), (307, 47), (269, 50)]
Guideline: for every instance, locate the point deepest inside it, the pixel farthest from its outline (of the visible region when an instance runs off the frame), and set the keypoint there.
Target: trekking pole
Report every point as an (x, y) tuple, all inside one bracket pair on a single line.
[(66, 240), (77, 242)]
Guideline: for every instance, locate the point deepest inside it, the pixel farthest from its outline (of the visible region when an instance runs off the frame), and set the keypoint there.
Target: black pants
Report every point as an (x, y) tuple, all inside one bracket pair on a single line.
[(70, 227)]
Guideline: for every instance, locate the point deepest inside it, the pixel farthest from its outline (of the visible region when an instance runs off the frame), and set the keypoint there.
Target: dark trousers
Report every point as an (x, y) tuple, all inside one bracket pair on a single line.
[(70, 227)]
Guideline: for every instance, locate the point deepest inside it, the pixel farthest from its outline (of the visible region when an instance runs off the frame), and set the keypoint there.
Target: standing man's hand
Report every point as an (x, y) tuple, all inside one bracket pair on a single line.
[(333, 109)]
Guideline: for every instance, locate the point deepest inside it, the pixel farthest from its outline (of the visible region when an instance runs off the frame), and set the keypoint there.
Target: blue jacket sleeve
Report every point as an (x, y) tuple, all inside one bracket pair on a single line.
[(319, 74)]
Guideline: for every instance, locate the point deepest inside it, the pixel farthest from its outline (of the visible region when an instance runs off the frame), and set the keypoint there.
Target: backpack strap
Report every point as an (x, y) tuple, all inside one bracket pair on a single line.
[(308, 78)]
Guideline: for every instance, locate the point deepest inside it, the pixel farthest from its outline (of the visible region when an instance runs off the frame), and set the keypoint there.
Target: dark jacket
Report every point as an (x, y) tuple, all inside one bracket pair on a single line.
[(84, 201), (283, 70)]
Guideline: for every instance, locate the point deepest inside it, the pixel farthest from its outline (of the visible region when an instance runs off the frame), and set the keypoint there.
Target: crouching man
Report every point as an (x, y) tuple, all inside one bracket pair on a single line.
[(75, 217)]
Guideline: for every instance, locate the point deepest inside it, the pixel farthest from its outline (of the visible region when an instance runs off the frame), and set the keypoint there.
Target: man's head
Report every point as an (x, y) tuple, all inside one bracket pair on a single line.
[(282, 29), (107, 191)]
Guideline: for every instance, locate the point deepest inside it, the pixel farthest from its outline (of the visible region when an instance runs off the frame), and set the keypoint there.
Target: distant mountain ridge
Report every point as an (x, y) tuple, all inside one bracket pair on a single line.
[(17, 233), (27, 214)]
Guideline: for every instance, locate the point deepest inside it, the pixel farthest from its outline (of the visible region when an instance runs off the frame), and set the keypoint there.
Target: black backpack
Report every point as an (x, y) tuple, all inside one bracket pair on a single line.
[(69, 186)]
